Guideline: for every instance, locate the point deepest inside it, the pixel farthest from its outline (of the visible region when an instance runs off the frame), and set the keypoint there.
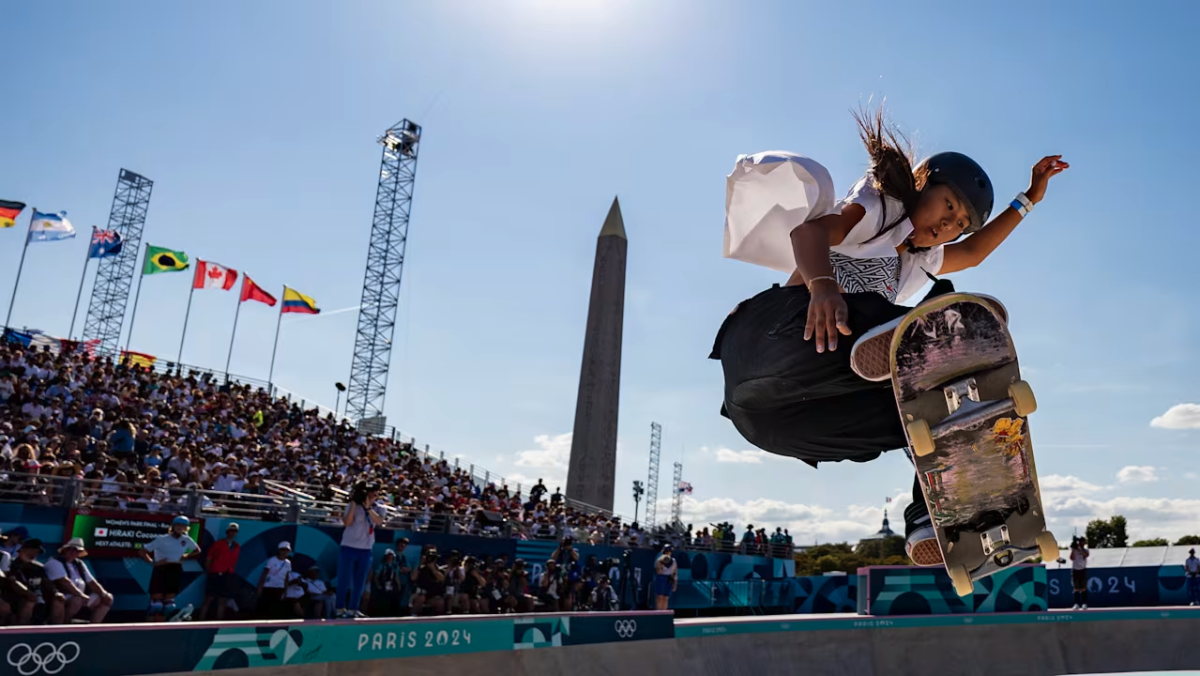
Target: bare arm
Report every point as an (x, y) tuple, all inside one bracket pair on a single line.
[(811, 242), (975, 249), (348, 517), (827, 312)]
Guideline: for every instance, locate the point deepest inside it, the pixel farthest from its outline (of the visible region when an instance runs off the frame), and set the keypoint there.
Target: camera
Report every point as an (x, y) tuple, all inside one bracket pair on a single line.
[(360, 490)]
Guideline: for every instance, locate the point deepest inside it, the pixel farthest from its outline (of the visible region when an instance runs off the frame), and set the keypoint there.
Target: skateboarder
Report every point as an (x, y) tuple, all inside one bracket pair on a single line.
[(790, 385)]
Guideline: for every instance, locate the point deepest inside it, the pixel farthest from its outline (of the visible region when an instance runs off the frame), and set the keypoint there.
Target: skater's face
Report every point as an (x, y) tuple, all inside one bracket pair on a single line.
[(940, 217)]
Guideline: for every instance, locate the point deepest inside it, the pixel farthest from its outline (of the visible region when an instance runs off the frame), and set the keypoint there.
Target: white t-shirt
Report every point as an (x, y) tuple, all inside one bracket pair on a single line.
[(864, 264), (769, 194), (78, 574), (277, 572), (295, 587)]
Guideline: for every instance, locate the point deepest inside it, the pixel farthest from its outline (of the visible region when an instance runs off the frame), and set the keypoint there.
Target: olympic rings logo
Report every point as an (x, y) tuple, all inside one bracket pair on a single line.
[(625, 628), (46, 657)]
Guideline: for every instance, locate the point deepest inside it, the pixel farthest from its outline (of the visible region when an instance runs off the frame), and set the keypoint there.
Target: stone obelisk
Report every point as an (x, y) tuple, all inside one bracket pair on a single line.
[(591, 476)]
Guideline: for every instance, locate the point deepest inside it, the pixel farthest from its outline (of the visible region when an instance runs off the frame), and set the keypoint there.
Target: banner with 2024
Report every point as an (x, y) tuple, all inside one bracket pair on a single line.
[(128, 650)]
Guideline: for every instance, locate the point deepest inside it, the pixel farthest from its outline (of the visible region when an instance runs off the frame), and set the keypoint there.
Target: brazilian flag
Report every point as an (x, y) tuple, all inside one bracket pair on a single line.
[(159, 259)]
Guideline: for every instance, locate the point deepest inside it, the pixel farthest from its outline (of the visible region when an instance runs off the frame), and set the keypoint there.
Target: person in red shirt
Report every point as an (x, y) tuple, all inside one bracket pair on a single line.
[(222, 572)]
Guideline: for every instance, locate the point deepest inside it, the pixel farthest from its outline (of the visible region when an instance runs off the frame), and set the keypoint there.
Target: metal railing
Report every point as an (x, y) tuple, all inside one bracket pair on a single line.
[(298, 504)]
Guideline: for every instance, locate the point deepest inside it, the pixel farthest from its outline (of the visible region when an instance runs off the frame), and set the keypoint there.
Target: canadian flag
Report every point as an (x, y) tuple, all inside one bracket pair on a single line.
[(213, 276)]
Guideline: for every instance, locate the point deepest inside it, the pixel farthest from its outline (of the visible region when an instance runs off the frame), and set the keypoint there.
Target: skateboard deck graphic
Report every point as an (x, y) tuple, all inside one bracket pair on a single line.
[(965, 408)]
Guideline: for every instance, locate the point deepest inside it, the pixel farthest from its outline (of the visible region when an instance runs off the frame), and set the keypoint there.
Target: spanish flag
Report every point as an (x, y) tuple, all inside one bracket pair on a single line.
[(294, 301), (8, 213), (137, 359)]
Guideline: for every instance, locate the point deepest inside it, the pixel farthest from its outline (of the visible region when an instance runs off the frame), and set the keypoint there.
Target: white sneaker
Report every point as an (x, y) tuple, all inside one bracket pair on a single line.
[(1075, 607), (1083, 607), (922, 546), (871, 356)]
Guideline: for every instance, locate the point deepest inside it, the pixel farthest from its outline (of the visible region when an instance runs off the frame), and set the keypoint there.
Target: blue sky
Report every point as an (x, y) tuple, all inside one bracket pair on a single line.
[(257, 123)]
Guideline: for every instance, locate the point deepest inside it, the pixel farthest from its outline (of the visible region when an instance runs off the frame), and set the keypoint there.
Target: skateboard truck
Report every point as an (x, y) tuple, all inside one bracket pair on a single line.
[(957, 391), (994, 538)]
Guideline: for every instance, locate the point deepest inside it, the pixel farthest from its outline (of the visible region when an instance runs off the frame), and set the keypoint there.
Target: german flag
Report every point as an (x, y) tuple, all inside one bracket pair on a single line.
[(159, 259), (8, 213)]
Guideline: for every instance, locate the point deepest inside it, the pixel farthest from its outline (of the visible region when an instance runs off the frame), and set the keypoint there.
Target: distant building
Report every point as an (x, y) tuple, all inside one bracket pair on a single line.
[(884, 532)]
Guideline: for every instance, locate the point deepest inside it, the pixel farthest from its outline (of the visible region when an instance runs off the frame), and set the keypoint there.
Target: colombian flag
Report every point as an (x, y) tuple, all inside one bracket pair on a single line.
[(294, 301), (8, 213)]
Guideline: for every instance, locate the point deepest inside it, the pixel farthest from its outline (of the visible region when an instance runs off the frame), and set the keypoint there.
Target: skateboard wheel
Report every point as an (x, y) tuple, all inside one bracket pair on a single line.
[(1023, 400), (921, 437), (1048, 546), (961, 579)]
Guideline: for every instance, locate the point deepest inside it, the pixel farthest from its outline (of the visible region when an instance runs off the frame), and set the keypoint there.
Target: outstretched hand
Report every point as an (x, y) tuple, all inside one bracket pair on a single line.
[(1051, 165)]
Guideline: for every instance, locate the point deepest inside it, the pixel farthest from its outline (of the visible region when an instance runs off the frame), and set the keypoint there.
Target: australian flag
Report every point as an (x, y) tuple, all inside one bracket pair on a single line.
[(105, 243)]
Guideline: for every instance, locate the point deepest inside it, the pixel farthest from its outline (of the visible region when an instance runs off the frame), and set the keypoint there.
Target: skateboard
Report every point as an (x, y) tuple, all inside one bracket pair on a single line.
[(965, 410)]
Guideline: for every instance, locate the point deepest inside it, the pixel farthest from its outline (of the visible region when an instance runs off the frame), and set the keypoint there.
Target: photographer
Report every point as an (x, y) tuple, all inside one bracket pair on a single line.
[(604, 597), (429, 584), (665, 570), (548, 586), (361, 518), (472, 588), (567, 558), (1079, 555)]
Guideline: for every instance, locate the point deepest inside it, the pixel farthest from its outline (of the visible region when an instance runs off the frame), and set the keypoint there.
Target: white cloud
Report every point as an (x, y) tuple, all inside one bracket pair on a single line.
[(1058, 484), (1179, 417), (547, 461), (1137, 474), (754, 457), (1071, 502)]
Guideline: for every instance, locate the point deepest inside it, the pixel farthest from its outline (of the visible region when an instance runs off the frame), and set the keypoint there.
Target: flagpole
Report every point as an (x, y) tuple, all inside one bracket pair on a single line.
[(185, 321), (20, 267), (136, 297), (271, 373), (87, 257), (234, 332)]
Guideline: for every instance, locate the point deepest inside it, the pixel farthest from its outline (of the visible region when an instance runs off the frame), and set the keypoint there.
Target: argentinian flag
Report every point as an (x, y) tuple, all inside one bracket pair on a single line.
[(50, 227)]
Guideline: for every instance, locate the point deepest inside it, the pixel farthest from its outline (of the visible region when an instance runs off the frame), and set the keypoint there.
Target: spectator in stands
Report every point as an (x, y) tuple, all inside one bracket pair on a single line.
[(361, 517), (273, 582), (167, 554), (665, 569), (30, 592), (73, 579), (1191, 568), (221, 585)]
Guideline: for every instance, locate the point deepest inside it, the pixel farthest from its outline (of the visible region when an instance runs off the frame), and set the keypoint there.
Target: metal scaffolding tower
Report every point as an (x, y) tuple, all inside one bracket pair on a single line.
[(114, 275), (652, 478), (677, 505), (381, 283)]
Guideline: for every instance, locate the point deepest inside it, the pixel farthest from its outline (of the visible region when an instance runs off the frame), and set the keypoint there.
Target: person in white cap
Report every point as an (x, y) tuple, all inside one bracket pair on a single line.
[(273, 581), (71, 576)]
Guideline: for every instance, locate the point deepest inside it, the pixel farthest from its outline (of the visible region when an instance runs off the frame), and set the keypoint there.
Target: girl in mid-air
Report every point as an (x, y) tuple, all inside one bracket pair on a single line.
[(806, 364)]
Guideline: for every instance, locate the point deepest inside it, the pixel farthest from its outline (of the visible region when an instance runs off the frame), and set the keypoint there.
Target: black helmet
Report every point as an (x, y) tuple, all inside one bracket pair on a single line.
[(968, 179)]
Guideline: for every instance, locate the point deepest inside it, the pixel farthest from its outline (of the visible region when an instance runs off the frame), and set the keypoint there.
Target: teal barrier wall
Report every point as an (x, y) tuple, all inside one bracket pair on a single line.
[(909, 590), (119, 651)]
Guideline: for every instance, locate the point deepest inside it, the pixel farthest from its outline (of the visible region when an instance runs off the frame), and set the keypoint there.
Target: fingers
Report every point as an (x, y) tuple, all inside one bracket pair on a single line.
[(843, 317)]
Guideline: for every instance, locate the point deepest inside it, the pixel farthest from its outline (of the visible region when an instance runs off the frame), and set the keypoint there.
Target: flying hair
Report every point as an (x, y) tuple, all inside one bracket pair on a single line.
[(891, 172)]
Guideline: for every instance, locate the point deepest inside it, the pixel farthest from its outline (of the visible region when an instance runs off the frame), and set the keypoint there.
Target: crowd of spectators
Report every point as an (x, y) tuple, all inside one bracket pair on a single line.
[(141, 439)]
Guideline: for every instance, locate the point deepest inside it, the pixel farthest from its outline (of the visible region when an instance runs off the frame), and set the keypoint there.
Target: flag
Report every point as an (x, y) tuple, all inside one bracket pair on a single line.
[(212, 276), (8, 213), (137, 359), (50, 227), (889, 499), (685, 488), (105, 243), (252, 291), (294, 301), (159, 259)]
